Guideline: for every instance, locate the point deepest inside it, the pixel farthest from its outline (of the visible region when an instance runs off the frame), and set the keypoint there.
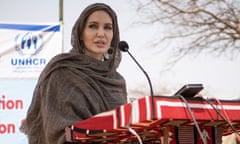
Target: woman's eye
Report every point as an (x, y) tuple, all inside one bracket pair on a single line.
[(108, 27), (92, 26)]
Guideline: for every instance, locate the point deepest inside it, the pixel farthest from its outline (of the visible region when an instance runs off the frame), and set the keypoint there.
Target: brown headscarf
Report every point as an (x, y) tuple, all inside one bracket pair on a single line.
[(74, 86)]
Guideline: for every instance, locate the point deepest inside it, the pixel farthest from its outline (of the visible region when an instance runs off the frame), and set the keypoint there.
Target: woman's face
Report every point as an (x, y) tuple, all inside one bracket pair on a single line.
[(98, 34)]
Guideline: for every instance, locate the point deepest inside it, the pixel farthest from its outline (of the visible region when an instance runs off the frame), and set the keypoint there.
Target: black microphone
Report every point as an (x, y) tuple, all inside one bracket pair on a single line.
[(123, 46)]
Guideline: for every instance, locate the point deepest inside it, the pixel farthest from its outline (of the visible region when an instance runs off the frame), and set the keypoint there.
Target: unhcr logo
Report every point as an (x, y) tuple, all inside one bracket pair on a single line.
[(28, 45)]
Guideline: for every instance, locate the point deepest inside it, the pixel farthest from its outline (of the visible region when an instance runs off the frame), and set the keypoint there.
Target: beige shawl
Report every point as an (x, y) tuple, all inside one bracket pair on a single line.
[(72, 87)]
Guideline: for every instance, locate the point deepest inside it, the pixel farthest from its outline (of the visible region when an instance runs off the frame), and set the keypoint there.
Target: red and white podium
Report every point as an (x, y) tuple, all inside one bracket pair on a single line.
[(158, 119)]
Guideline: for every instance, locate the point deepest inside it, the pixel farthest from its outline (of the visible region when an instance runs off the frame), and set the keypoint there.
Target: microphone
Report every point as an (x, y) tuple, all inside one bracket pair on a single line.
[(123, 46)]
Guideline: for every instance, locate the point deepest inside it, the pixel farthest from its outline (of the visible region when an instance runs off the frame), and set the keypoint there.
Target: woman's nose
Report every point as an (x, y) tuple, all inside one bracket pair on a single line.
[(100, 32)]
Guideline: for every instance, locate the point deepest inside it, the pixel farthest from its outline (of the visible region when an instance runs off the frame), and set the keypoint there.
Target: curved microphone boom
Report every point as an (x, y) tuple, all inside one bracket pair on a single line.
[(123, 46)]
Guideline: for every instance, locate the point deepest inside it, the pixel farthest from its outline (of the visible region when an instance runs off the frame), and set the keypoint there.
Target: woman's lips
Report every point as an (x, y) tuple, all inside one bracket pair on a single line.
[(100, 44)]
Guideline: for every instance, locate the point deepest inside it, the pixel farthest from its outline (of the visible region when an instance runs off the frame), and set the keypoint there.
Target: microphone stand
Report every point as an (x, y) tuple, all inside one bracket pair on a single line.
[(123, 46), (148, 79)]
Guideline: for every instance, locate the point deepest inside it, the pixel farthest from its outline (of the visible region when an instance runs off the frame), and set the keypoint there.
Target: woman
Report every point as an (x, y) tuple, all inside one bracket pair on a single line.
[(79, 84)]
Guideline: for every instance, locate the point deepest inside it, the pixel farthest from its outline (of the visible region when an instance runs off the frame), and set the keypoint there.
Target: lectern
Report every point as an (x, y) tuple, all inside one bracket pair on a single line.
[(172, 122)]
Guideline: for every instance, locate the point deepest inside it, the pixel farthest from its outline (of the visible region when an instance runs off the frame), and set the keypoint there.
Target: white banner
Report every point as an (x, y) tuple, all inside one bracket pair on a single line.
[(26, 48)]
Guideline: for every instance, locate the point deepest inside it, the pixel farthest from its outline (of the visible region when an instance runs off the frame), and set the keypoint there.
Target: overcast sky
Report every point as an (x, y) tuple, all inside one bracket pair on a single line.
[(219, 75)]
